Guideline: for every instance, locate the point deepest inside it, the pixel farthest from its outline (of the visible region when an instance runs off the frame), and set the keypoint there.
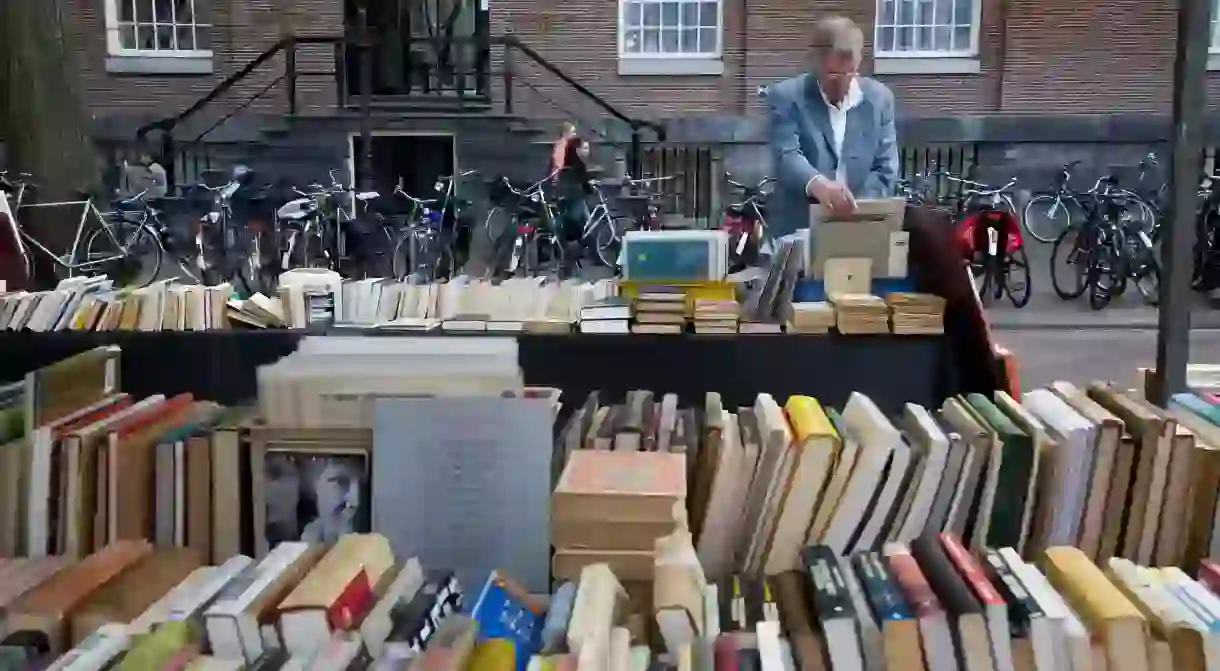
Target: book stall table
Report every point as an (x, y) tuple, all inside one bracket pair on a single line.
[(221, 365)]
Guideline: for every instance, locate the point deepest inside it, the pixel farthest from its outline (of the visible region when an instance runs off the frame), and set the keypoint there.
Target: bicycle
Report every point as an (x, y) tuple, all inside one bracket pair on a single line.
[(116, 250), (222, 251), (1110, 248), (1048, 214), (603, 229), (431, 237), (531, 221), (746, 222), (989, 218)]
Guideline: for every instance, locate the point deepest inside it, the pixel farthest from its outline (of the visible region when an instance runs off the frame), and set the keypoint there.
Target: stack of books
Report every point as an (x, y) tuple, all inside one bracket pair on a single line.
[(660, 312), (716, 316), (860, 313), (609, 315), (916, 314), (610, 507), (812, 317)]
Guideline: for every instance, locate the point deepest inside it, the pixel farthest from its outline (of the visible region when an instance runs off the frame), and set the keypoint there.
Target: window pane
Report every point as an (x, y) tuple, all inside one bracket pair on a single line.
[(925, 13), (963, 11), (961, 38), (942, 40), (186, 38), (631, 41), (184, 13), (887, 13), (126, 10), (905, 39), (690, 15), (669, 14), (690, 41), (708, 15), (652, 40), (923, 38), (164, 11), (707, 40), (669, 41), (633, 14), (906, 12), (165, 37), (202, 12), (127, 36), (944, 12), (885, 39), (144, 10), (652, 14), (144, 37)]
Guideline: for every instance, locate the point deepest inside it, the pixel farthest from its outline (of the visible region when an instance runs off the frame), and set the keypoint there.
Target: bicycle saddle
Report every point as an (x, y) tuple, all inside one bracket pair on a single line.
[(367, 195)]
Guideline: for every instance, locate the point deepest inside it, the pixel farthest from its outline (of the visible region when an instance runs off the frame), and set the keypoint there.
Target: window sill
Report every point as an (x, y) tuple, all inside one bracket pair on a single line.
[(159, 65), (926, 66), (1213, 62), (674, 67)]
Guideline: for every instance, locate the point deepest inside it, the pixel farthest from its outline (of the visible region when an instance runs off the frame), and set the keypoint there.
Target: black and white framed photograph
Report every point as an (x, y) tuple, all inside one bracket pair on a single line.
[(313, 495)]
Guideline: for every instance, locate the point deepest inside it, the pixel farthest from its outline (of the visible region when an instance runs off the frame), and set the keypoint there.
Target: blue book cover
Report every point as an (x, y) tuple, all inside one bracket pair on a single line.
[(1198, 406), (558, 616), (676, 260), (881, 590), (504, 610)]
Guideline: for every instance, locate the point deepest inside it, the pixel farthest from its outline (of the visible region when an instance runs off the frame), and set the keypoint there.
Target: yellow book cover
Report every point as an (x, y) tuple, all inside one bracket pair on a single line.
[(497, 654), (1105, 610), (155, 650), (807, 418), (326, 582)]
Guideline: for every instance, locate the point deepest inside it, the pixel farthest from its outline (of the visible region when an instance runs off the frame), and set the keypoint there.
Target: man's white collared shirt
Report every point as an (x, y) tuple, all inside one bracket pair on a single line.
[(838, 124)]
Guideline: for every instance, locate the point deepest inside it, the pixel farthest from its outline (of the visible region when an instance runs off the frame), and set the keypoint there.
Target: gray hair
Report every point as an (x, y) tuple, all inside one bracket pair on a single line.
[(838, 35)]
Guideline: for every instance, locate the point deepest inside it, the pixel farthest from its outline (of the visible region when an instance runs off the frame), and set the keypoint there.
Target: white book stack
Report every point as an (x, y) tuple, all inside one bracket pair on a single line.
[(609, 315)]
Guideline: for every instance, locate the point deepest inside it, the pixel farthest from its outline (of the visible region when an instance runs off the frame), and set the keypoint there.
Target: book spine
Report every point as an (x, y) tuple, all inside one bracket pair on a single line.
[(970, 571), (911, 579), (880, 588), (830, 597)]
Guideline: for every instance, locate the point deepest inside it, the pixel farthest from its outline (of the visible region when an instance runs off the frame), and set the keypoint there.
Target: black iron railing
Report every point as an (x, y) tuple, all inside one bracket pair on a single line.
[(441, 71)]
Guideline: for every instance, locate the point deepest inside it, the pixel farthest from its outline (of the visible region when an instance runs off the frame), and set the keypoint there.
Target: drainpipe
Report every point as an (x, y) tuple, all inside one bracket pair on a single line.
[(366, 98)]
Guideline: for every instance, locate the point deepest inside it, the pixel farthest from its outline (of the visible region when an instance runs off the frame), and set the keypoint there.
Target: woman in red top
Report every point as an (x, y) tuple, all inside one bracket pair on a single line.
[(559, 153)]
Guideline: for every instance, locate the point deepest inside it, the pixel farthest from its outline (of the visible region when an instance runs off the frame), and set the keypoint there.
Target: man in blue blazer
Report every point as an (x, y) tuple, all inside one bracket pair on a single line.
[(831, 131)]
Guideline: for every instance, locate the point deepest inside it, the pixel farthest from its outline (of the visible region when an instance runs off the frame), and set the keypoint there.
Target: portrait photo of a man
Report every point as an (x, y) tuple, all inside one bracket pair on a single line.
[(315, 497)]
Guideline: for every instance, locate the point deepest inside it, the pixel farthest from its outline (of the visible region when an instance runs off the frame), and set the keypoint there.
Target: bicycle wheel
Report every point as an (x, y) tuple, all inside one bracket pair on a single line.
[(1101, 275), (609, 241), (1015, 277), (1144, 268), (1069, 266), (1046, 217), (135, 263)]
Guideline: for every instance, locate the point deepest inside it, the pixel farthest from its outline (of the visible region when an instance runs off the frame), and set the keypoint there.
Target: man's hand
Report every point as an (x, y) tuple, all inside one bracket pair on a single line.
[(832, 194)]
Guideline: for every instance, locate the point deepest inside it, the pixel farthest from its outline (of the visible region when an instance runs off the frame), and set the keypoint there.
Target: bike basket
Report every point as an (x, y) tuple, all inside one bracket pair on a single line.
[(971, 231)]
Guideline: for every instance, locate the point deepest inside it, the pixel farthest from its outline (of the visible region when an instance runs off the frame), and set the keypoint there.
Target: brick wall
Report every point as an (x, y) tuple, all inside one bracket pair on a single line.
[(243, 29)]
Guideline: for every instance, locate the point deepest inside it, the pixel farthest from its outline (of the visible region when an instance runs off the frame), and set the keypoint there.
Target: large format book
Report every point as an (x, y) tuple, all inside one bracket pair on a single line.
[(898, 624), (934, 632), (844, 465), (1096, 529), (1170, 619), (970, 509), (1154, 436), (1205, 486), (1068, 640), (235, 619), (126, 597), (1042, 446), (1118, 624), (995, 609), (864, 421), (926, 437), (599, 597), (883, 508), (723, 522), (815, 446), (832, 604), (336, 593), (1067, 493), (968, 622), (1009, 475), (808, 646), (770, 479), (46, 611)]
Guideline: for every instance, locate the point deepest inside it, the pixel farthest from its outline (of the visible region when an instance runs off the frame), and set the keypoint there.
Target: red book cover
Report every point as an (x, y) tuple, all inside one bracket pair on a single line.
[(910, 578), (151, 415), (118, 403), (970, 570), (352, 604), (725, 653), (1209, 575)]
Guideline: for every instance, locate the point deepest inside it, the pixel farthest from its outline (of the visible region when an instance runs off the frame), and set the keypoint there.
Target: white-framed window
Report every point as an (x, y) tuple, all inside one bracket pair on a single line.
[(1214, 46), (159, 28), (927, 28), (680, 29)]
